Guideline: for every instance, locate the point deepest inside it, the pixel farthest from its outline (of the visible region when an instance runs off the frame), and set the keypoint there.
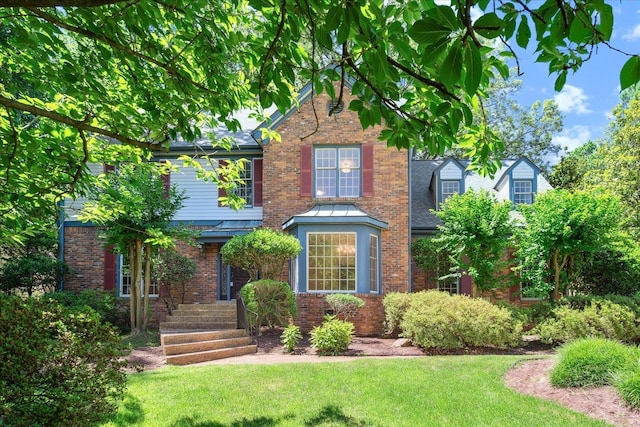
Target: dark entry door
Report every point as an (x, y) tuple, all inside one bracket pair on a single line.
[(230, 281)]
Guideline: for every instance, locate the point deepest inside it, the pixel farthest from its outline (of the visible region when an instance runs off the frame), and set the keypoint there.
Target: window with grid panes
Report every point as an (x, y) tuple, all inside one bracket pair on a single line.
[(522, 192), (245, 188), (449, 188), (126, 280), (331, 262), (337, 171)]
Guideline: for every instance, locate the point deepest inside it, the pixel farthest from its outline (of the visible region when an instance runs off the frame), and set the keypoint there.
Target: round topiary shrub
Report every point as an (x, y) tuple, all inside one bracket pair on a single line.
[(591, 362), (333, 336), (435, 319), (395, 306), (344, 306), (59, 367)]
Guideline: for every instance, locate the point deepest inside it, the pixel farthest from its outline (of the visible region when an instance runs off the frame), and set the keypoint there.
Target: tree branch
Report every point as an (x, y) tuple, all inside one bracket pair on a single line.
[(80, 125), (432, 83), (99, 37), (56, 3)]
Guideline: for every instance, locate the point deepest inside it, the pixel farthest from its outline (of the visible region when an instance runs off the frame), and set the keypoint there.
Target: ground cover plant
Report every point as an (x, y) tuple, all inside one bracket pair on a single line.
[(432, 391)]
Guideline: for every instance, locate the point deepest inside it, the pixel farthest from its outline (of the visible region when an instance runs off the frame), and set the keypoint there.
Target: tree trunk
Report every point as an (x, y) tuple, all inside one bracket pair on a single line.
[(132, 287), (139, 273), (147, 287)]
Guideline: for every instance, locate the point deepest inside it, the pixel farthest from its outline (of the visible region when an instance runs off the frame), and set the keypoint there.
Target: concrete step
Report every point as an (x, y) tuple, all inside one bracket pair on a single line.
[(216, 306), (206, 356), (201, 346), (212, 318), (189, 337), (185, 326)]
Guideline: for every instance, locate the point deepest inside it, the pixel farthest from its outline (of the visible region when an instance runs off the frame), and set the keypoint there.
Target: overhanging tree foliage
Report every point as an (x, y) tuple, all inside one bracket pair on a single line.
[(136, 210), (142, 73)]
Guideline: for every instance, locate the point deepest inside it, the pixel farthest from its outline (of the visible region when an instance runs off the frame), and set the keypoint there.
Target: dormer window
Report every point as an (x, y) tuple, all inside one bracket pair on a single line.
[(449, 188), (522, 192)]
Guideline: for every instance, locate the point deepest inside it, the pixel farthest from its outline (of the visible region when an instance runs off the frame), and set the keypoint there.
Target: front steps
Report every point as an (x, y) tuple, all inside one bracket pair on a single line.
[(196, 347), (194, 317), (197, 333)]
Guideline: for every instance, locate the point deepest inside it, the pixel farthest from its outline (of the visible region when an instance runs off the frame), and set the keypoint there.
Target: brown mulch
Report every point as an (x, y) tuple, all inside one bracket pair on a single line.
[(529, 377)]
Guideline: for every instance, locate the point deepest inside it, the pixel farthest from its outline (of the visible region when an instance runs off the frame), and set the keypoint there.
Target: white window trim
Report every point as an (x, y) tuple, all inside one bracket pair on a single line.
[(336, 171), (121, 294)]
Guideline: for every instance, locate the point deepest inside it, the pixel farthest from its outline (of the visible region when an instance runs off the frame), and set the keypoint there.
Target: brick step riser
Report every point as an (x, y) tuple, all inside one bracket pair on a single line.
[(206, 356), (189, 337), (200, 346), (202, 319), (207, 307), (178, 326)]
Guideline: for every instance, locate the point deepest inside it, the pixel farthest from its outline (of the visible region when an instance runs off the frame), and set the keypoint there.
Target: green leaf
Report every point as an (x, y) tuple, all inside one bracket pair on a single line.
[(489, 25), (473, 65), (578, 32), (452, 65), (428, 31), (334, 17), (560, 81), (524, 33), (606, 21), (630, 73)]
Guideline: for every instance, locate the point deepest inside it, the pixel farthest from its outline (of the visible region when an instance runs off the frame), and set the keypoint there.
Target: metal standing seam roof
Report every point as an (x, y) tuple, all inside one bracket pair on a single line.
[(335, 214), (227, 229)]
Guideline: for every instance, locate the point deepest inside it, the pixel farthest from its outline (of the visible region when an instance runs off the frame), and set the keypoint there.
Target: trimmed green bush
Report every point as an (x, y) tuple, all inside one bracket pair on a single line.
[(344, 305), (591, 362), (395, 306), (600, 319), (333, 336), (59, 368), (627, 384), (435, 319), (273, 302), (290, 337)]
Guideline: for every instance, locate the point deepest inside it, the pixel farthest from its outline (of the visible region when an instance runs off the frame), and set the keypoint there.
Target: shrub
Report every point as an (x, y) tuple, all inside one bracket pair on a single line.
[(333, 336), (627, 384), (438, 320), (59, 368), (290, 337), (590, 362), (104, 303), (395, 306), (600, 319), (344, 305), (172, 271), (272, 301)]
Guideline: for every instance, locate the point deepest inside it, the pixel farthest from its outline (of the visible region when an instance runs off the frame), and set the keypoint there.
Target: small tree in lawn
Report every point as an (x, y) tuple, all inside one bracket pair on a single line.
[(476, 231), (560, 227), (136, 211), (262, 252)]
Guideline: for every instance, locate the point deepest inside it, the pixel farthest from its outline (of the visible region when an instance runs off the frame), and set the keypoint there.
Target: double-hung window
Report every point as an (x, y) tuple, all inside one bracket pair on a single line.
[(244, 188), (337, 172), (449, 188), (522, 192), (125, 280)]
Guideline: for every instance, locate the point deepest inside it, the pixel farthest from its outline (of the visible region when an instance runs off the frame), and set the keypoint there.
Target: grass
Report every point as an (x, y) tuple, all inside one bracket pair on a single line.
[(428, 391)]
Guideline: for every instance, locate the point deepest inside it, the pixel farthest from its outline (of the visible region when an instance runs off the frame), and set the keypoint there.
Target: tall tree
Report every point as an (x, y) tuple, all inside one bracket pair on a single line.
[(136, 210), (142, 73), (558, 228), (476, 231)]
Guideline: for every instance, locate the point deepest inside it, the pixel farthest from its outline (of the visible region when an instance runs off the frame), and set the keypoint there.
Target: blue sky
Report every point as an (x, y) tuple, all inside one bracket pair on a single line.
[(589, 95)]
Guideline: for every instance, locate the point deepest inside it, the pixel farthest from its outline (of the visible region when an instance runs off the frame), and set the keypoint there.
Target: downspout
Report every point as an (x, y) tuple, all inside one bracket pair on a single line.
[(60, 224), (409, 287)]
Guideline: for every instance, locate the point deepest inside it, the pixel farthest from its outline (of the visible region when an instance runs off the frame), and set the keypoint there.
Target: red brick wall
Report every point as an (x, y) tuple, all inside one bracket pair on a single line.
[(83, 253), (368, 321), (389, 203)]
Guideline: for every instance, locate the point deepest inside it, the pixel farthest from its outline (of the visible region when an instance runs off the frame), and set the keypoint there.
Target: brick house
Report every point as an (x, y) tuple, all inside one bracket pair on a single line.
[(353, 203)]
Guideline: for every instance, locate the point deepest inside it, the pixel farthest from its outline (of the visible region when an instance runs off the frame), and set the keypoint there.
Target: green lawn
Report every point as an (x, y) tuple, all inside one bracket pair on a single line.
[(427, 391)]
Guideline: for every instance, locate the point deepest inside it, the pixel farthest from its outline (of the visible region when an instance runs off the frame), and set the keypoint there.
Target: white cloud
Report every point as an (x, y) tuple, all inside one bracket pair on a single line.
[(633, 34), (572, 99), (573, 137)]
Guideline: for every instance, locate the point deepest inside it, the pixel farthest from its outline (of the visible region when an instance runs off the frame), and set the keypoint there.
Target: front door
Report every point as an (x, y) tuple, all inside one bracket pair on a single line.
[(230, 281)]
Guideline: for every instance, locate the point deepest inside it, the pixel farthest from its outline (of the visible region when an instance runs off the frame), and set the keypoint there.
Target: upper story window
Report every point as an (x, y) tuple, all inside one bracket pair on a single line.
[(244, 189), (522, 192), (449, 188), (337, 172)]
